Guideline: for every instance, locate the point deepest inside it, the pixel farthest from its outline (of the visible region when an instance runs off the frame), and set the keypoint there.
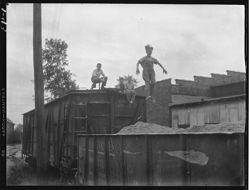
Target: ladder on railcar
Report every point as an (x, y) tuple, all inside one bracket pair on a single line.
[(70, 148), (77, 108), (78, 115)]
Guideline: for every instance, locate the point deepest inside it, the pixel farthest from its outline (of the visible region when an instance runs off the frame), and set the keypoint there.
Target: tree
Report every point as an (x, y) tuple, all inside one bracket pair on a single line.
[(15, 137), (57, 78), (19, 128), (125, 78), (19, 132)]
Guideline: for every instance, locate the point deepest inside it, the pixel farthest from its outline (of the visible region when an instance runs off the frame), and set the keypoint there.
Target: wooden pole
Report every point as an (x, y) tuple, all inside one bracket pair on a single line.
[(39, 89)]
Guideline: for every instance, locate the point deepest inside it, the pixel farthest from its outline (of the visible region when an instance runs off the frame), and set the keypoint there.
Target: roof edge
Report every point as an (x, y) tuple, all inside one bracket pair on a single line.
[(72, 92), (242, 96)]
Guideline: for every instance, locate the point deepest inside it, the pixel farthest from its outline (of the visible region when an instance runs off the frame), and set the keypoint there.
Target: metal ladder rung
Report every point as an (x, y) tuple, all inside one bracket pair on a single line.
[(73, 133), (80, 117), (101, 115), (79, 104), (99, 102), (128, 116), (80, 131), (69, 145)]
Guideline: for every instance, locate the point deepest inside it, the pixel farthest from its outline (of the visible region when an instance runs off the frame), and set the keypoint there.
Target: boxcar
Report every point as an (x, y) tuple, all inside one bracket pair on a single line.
[(203, 159), (81, 112)]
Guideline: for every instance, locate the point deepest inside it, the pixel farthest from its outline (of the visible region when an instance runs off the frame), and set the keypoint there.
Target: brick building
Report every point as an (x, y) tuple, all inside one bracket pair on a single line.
[(158, 112), (187, 91)]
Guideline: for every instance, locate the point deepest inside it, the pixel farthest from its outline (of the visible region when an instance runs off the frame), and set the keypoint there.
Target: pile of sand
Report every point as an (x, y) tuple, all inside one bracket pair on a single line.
[(146, 128), (151, 128)]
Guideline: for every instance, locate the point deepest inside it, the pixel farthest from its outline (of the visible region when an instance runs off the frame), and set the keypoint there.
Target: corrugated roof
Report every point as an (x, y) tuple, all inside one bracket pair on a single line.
[(209, 100)]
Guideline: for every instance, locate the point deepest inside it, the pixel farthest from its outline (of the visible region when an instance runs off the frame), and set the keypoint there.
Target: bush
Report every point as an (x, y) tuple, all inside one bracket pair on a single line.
[(16, 173)]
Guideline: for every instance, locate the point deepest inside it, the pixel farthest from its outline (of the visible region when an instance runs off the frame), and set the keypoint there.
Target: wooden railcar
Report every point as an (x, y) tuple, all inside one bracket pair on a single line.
[(81, 112)]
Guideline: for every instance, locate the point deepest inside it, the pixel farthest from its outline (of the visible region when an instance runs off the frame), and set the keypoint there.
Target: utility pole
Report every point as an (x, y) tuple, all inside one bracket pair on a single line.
[(39, 91)]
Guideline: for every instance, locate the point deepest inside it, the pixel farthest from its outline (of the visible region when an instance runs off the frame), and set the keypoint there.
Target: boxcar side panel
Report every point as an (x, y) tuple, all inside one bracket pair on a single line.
[(174, 159), (115, 161), (168, 170)]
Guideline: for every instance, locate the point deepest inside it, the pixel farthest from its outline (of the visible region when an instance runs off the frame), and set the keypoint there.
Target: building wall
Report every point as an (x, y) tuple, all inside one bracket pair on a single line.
[(180, 99), (159, 112), (189, 91), (192, 90), (219, 112), (229, 89)]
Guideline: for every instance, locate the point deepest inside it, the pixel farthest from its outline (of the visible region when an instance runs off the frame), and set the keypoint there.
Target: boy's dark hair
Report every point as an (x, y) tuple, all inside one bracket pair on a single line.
[(98, 64), (148, 46)]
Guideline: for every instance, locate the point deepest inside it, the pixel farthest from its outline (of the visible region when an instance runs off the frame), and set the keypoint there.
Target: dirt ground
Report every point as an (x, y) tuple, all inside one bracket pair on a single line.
[(19, 173)]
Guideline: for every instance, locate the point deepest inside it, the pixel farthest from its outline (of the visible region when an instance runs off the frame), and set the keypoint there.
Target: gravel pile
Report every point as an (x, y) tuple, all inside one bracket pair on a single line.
[(151, 128), (146, 128)]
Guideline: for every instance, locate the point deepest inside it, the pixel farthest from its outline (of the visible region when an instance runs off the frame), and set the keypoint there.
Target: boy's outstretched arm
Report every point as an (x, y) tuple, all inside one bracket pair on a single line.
[(164, 70), (137, 68)]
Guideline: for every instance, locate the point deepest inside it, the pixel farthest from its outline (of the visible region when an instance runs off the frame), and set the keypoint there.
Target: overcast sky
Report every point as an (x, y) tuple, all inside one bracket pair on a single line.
[(188, 40)]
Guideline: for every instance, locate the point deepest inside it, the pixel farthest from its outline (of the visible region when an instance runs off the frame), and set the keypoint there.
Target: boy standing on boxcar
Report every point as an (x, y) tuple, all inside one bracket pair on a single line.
[(98, 76), (148, 74)]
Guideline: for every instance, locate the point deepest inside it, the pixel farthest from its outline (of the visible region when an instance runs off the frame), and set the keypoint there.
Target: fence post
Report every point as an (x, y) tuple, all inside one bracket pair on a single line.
[(123, 161), (107, 159), (86, 164), (95, 162), (149, 163)]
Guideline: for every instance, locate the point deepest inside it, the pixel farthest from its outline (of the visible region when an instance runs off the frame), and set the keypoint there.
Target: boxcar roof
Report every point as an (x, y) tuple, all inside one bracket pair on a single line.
[(209, 100), (71, 92)]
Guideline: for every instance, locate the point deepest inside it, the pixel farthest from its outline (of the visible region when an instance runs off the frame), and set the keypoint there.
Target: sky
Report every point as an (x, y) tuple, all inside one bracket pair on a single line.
[(188, 40)]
